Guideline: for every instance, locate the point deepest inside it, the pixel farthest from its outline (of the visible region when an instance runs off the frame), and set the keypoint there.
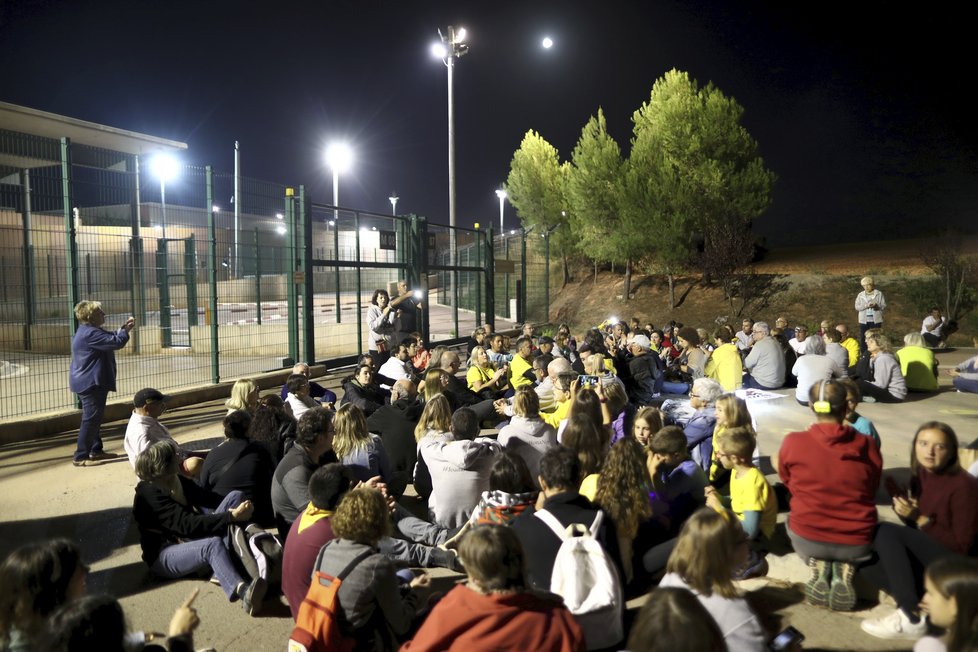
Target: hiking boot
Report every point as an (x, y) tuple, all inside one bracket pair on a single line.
[(817, 586), (253, 595), (842, 594), (896, 625)]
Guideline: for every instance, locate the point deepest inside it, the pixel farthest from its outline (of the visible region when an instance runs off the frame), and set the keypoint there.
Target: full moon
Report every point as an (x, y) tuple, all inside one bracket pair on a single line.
[(547, 42)]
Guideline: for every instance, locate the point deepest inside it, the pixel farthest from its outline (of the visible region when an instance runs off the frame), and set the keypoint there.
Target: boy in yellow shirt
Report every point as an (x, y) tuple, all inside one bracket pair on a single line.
[(751, 497)]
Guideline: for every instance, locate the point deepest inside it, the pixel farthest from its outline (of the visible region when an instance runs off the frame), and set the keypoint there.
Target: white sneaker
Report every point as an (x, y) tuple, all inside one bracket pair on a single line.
[(896, 625)]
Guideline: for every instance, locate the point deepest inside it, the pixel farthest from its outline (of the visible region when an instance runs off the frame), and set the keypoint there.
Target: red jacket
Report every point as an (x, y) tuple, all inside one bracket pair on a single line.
[(466, 620), (832, 472), (950, 501)]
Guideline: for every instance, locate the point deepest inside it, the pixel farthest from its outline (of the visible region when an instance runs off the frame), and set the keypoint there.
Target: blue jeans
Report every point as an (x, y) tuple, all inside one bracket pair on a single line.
[(182, 559), (93, 407)]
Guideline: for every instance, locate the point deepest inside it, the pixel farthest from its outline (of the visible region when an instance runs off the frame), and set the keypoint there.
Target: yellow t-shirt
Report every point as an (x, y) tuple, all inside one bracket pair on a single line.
[(589, 486), (852, 346), (517, 368), (716, 469), (751, 493), (478, 374), (559, 414), (725, 367)]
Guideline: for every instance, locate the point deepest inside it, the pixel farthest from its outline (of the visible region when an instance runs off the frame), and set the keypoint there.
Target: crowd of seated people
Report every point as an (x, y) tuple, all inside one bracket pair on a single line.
[(492, 467)]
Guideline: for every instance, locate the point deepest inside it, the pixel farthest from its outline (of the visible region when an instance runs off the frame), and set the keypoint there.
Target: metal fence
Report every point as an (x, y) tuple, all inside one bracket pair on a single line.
[(223, 285)]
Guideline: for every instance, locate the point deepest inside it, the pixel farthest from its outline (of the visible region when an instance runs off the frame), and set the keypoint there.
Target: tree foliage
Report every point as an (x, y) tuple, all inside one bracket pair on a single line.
[(957, 274)]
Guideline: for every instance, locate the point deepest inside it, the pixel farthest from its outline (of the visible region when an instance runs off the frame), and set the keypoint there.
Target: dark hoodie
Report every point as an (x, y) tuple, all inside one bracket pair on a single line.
[(395, 424), (832, 472)]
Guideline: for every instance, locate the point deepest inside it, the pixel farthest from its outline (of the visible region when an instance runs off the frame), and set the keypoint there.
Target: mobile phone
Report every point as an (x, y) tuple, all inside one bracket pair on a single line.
[(587, 381), (787, 638)]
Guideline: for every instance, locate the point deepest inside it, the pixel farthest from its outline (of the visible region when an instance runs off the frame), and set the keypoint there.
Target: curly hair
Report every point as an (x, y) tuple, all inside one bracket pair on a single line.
[(362, 516), (623, 486), (350, 430)]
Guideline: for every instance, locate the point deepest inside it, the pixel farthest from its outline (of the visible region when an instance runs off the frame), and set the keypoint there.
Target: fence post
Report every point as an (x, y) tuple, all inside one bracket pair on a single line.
[(336, 257), (546, 303), (136, 255), (490, 280), (308, 307), (30, 305), (478, 284), (418, 269), (356, 227), (293, 299), (506, 254), (163, 284), (521, 294), (71, 234), (190, 272), (257, 278), (212, 275)]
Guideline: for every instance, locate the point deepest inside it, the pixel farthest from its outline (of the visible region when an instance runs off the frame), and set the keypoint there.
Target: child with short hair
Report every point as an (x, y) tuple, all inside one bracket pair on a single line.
[(751, 498), (858, 422), (678, 481)]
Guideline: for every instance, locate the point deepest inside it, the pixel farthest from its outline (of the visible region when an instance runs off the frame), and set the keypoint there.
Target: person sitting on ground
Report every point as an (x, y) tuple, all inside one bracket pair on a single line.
[(731, 412), (797, 343), (789, 332), (543, 386), (290, 483), (183, 529), (699, 429), (835, 350), (395, 424), (521, 368), (298, 398), (745, 336), (478, 338), (458, 394), (422, 355), (832, 472), (692, 360), (917, 364), (814, 366), (560, 475), (483, 379), (359, 450), (511, 490), (965, 375), (789, 357), (931, 330), (37, 578), (244, 396), (644, 372), (951, 603), (459, 465), (724, 363), (527, 435), (620, 409), (272, 426), (545, 346), (325, 396), (647, 422), (375, 609), (399, 366), (673, 619), (939, 511), (888, 384), (765, 363), (99, 623), (710, 547), (751, 498), (859, 423), (237, 464), (850, 344), (678, 481), (435, 421), (144, 428), (360, 390), (496, 609)]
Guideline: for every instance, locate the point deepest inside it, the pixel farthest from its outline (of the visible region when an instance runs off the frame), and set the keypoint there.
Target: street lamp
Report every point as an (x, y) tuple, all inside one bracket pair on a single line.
[(502, 194), (339, 157), (393, 200), (165, 167), (451, 47)]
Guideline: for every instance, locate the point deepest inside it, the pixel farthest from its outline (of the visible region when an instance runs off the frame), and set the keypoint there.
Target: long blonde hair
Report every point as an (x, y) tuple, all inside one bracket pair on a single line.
[(437, 415), (351, 430), (705, 553), (432, 382), (239, 395)]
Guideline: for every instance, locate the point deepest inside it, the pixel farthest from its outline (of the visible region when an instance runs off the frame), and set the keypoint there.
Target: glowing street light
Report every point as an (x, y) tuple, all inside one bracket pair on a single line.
[(502, 194), (339, 157), (393, 200), (547, 43), (165, 167)]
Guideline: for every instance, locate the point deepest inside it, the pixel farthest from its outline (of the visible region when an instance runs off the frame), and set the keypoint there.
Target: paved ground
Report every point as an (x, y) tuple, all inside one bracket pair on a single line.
[(42, 495)]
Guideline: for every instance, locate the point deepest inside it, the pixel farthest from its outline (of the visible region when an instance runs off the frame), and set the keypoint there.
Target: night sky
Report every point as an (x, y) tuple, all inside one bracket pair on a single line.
[(863, 116)]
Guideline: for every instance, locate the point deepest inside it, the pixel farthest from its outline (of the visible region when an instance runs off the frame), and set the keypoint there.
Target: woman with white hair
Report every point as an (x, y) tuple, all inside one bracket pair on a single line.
[(813, 367), (699, 430), (870, 305), (918, 364)]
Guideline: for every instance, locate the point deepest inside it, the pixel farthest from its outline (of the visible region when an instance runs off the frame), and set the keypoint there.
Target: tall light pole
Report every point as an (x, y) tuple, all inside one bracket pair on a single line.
[(393, 200), (339, 157), (451, 47), (165, 167), (502, 194)]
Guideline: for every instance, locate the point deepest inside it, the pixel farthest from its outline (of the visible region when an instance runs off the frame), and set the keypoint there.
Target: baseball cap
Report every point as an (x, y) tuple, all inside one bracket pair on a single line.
[(148, 395)]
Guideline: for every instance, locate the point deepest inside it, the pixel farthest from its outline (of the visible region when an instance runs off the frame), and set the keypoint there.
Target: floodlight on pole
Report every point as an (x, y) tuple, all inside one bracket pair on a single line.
[(502, 194), (165, 167), (451, 48), (393, 200), (339, 157)]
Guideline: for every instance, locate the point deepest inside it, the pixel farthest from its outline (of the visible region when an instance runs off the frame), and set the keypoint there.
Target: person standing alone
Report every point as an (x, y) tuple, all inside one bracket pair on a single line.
[(92, 376)]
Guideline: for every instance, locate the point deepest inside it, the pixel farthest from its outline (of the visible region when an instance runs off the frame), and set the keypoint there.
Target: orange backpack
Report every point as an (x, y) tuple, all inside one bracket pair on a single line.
[(316, 626)]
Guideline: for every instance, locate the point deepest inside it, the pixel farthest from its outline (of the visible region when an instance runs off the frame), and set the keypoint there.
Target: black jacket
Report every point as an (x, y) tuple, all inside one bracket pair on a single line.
[(367, 398), (395, 424), (163, 521), (238, 464)]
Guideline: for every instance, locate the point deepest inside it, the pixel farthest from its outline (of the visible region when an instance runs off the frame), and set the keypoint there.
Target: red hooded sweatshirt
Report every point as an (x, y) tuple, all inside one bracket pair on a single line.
[(832, 472)]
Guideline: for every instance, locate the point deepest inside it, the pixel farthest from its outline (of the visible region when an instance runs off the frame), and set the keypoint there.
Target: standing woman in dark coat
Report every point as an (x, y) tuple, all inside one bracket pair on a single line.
[(92, 375)]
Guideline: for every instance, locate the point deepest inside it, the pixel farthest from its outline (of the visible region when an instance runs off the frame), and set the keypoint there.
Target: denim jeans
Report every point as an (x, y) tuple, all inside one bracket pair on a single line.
[(93, 407)]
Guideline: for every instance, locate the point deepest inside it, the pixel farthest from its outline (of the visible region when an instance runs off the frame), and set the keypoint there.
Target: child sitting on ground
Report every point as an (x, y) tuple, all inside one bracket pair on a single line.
[(858, 422), (751, 497), (731, 412), (677, 481)]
